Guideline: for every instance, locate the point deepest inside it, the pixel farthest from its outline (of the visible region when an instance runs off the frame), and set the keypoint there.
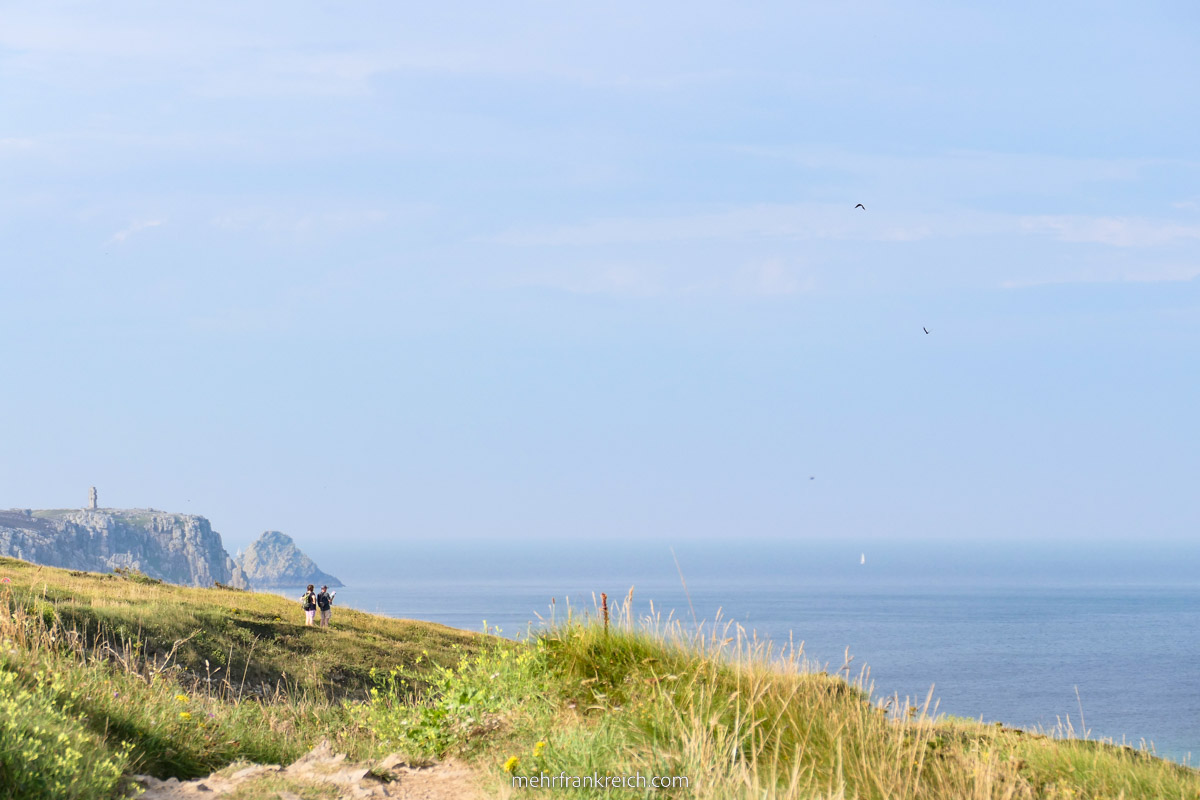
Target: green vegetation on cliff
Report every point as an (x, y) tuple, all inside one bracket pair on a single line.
[(106, 676)]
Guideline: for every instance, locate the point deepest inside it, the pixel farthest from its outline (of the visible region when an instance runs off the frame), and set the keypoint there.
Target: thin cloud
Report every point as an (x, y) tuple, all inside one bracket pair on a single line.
[(953, 170), (810, 221), (1115, 231), (796, 222), (122, 235), (1173, 273), (310, 221), (293, 72), (771, 277)]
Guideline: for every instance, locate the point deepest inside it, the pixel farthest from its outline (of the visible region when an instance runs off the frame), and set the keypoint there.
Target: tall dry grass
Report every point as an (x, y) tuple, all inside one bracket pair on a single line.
[(742, 717), (98, 695)]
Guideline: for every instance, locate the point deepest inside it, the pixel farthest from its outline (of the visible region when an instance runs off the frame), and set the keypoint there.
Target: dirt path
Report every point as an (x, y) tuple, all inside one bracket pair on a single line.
[(326, 775)]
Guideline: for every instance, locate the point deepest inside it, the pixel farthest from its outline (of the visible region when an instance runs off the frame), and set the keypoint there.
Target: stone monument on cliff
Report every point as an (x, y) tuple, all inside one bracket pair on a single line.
[(92, 504)]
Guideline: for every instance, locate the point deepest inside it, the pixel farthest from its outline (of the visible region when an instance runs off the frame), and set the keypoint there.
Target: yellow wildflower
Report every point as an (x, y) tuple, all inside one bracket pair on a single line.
[(185, 715), (538, 749), (183, 698), (511, 765)]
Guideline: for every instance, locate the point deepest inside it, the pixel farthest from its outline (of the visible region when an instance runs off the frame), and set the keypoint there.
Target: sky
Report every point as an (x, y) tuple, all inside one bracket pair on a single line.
[(383, 272)]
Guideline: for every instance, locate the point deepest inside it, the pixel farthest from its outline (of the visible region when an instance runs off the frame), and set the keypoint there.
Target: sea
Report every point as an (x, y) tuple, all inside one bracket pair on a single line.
[(1102, 640)]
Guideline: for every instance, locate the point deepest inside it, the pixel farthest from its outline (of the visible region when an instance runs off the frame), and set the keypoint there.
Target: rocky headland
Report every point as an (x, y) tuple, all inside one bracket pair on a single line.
[(176, 548)]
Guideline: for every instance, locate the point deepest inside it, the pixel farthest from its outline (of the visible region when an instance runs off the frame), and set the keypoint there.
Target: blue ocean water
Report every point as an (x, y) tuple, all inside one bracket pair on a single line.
[(1031, 638)]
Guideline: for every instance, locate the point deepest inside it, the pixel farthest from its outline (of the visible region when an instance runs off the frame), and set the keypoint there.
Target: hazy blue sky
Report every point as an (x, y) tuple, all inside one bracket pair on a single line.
[(372, 270)]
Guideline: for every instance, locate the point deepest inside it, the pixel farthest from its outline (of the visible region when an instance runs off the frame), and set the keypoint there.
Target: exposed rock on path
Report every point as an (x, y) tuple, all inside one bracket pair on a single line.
[(328, 775)]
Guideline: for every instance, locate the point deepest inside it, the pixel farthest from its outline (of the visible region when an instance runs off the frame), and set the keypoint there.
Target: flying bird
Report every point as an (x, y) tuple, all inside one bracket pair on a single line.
[(860, 205), (812, 477), (925, 329)]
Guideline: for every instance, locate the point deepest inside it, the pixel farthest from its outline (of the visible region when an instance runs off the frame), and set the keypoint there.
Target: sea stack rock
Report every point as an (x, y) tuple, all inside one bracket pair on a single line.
[(274, 560)]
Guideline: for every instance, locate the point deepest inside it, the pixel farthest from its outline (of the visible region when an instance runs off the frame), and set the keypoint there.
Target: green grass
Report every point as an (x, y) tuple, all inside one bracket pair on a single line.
[(48, 751), (256, 641), (740, 722), (106, 676), (116, 676), (53, 512)]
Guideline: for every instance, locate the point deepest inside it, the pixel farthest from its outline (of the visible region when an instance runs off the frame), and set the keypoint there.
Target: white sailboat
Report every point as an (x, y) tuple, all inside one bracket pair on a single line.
[(863, 559)]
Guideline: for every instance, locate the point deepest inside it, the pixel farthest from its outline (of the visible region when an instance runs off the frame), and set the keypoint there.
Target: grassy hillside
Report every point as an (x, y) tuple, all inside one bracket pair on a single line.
[(105, 676), (256, 641)]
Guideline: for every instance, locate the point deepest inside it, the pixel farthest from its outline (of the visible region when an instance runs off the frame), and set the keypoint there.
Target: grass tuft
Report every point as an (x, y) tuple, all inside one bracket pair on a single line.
[(738, 719)]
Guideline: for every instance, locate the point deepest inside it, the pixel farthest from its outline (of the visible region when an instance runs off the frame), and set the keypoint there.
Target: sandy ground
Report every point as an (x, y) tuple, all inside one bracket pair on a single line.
[(326, 775)]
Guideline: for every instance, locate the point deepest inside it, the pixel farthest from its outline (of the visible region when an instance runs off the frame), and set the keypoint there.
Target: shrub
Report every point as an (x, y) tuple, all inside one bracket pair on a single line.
[(46, 753)]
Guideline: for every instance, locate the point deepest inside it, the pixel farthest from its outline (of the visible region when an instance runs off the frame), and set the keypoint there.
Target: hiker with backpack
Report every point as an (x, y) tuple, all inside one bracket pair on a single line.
[(309, 601), (325, 603)]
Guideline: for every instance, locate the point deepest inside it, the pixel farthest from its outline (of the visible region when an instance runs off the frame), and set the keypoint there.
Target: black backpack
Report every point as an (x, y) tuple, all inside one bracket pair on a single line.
[(323, 601)]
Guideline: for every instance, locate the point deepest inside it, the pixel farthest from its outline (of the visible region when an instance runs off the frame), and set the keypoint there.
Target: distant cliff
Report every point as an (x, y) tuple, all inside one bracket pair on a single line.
[(177, 548), (274, 560)]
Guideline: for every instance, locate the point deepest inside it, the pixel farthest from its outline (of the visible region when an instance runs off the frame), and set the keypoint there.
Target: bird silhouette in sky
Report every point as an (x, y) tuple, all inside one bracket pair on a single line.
[(860, 205), (925, 329)]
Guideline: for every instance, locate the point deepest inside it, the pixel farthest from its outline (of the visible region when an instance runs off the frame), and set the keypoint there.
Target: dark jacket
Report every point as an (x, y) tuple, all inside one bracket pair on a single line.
[(324, 601)]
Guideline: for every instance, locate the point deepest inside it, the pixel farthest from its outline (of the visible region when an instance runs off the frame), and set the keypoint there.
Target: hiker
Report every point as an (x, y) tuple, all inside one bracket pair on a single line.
[(325, 603), (309, 601)]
